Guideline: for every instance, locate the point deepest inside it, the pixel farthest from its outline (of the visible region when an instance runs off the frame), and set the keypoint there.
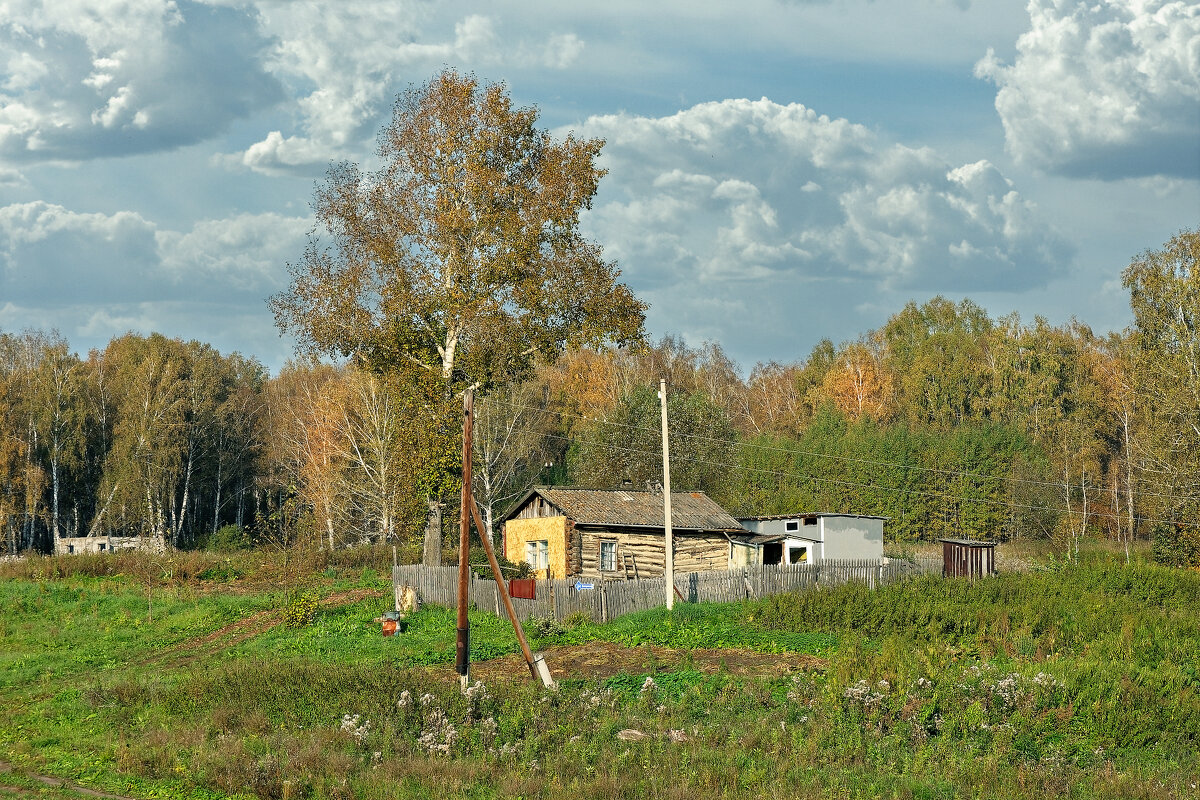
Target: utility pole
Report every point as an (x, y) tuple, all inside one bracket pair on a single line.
[(470, 510), (669, 539), (462, 651)]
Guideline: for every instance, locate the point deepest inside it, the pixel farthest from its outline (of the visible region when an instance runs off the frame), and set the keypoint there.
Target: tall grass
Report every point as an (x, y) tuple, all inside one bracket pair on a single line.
[(1076, 681)]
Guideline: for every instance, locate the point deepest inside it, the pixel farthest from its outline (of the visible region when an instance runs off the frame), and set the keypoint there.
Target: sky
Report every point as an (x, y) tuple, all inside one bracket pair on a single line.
[(779, 171)]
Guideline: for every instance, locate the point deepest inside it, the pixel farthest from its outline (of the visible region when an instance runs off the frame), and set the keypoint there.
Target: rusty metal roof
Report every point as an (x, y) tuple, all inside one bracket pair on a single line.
[(618, 507)]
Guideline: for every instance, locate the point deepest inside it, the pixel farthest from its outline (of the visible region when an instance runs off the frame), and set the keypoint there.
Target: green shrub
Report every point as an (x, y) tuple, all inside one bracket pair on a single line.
[(543, 627), (229, 538), (1176, 545), (577, 619), (300, 610)]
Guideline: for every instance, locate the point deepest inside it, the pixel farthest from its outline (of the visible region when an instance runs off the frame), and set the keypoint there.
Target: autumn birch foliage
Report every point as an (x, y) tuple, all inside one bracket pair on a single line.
[(461, 255)]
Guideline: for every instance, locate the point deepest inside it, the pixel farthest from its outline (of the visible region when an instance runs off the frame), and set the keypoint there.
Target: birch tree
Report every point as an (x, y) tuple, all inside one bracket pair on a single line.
[(461, 255), (1164, 288)]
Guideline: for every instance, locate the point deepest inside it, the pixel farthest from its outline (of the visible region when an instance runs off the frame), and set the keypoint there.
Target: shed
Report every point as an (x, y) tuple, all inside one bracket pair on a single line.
[(618, 534), (814, 537), (71, 545), (965, 558)]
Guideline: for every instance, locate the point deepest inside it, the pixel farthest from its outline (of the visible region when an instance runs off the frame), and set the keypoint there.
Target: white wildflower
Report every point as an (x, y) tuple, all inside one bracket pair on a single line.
[(351, 725), (439, 735), (475, 691)]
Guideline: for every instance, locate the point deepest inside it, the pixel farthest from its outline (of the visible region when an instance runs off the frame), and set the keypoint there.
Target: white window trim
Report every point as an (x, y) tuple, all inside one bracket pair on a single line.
[(613, 555), (537, 553)]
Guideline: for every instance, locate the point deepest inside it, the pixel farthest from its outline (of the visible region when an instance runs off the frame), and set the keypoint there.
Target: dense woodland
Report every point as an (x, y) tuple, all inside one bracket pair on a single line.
[(946, 420)]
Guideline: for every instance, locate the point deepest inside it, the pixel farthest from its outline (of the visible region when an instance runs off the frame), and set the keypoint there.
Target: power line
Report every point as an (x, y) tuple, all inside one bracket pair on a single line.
[(796, 451), (912, 492)]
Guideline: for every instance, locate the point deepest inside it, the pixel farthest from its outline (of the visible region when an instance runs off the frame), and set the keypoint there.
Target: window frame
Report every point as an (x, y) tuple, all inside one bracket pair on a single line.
[(611, 546), (537, 553)]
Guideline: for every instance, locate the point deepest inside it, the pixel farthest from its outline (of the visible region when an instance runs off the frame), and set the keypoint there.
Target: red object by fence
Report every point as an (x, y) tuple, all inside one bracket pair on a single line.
[(522, 589)]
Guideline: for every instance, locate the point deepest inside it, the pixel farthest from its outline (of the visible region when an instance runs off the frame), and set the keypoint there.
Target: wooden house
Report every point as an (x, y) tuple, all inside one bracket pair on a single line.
[(598, 534), (812, 538)]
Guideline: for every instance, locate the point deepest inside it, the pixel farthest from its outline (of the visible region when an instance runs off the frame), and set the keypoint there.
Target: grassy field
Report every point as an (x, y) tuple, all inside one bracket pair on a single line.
[(178, 677)]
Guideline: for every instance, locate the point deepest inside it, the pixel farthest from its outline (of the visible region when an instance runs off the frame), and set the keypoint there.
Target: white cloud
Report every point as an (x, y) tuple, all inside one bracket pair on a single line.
[(52, 258), (775, 218), (1107, 89), (243, 255), (95, 276), (736, 189), (344, 73), (93, 78)]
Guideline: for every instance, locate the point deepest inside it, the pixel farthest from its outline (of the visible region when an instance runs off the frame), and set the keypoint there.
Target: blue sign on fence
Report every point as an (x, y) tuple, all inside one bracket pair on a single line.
[(580, 586)]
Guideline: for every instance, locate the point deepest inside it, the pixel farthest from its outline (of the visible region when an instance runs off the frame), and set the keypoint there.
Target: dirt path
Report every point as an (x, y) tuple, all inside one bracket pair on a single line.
[(54, 783), (240, 630), (600, 660)]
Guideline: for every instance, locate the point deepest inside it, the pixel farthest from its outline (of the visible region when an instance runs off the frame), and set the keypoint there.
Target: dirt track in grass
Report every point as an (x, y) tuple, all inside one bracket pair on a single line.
[(600, 660), (592, 661), (64, 788), (245, 628)]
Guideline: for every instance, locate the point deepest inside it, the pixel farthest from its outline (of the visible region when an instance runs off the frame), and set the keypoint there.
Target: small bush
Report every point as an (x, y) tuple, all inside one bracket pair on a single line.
[(543, 627), (301, 610), (228, 539), (481, 568), (577, 619), (1176, 545)]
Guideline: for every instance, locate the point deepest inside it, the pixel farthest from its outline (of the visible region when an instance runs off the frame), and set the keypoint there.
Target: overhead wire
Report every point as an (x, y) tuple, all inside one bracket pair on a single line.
[(912, 492), (797, 451)]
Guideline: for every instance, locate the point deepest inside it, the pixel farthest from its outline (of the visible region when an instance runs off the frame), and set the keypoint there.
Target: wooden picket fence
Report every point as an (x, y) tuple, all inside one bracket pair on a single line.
[(602, 601)]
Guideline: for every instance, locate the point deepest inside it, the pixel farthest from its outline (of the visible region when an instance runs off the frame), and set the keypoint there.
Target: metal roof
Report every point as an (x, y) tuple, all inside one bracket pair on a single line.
[(812, 514), (622, 508)]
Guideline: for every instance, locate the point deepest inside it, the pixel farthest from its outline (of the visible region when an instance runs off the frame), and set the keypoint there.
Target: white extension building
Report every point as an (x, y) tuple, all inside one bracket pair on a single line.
[(813, 538)]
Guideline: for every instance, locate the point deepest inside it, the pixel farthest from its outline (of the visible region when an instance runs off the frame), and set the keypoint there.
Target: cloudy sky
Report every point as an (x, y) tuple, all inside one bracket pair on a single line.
[(780, 170)]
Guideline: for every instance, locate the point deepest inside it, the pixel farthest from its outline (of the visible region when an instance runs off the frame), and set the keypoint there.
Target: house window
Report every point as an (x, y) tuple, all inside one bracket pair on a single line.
[(798, 555), (537, 553), (791, 525), (608, 556), (810, 520)]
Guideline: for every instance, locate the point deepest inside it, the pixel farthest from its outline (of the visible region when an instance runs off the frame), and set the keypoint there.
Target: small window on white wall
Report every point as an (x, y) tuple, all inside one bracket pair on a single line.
[(791, 525), (537, 553), (798, 555), (608, 556)]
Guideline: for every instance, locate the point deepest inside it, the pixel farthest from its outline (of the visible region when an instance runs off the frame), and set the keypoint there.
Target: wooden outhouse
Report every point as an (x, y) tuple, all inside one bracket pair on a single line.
[(964, 558), (616, 534)]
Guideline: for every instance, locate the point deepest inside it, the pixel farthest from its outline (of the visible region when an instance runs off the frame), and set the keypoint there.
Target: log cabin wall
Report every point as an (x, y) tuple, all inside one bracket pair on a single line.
[(574, 541), (643, 554)]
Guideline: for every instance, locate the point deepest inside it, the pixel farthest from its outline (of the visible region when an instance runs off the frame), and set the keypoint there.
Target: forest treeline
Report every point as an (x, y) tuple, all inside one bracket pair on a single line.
[(945, 420)]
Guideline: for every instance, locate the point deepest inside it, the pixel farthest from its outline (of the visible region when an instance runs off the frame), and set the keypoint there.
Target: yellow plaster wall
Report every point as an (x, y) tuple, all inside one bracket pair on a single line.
[(553, 529)]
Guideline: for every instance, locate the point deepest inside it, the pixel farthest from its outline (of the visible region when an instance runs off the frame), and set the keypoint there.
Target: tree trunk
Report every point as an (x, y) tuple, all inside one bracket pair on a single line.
[(217, 499), (54, 482), (432, 556)]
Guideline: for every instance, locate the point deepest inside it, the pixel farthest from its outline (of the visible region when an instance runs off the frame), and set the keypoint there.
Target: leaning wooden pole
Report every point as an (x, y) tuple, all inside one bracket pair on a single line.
[(462, 653), (537, 665)]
